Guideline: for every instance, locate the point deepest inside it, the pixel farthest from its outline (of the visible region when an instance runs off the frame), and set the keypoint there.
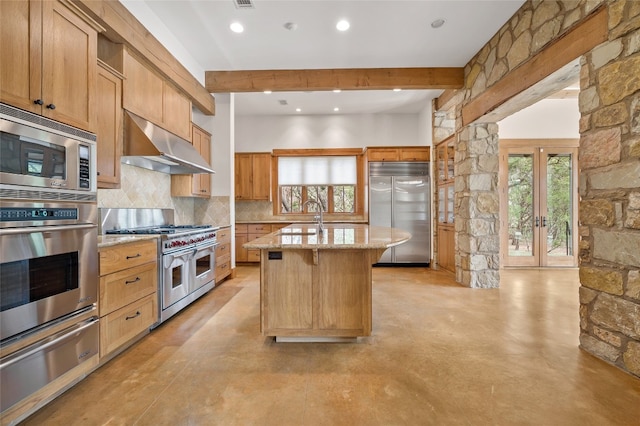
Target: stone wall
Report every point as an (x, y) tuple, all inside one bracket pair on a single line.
[(609, 161), (609, 216)]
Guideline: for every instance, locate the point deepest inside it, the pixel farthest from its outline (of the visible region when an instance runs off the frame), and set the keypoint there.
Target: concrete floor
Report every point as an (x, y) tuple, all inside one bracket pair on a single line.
[(440, 354)]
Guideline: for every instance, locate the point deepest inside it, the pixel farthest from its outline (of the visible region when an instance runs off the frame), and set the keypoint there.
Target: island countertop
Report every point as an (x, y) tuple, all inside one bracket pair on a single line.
[(334, 236)]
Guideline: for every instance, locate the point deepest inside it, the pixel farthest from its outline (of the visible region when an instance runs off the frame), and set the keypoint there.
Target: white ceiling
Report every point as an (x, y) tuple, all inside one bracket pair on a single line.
[(383, 34)]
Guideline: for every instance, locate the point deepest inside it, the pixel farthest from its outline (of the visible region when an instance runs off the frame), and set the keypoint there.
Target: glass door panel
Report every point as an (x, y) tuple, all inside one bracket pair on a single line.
[(521, 213)]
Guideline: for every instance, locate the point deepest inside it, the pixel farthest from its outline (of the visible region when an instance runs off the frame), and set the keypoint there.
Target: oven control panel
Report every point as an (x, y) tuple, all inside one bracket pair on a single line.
[(189, 240), (18, 214)]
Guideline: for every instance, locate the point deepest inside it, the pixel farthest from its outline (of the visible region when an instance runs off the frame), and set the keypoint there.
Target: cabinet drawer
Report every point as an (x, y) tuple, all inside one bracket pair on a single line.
[(242, 228), (252, 237), (253, 255), (223, 249), (224, 235), (223, 268), (257, 228), (124, 256), (122, 325), (123, 287)]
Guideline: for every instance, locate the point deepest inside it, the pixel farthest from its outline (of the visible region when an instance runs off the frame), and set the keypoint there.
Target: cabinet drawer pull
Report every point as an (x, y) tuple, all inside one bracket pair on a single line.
[(51, 106), (132, 281), (134, 316), (133, 257)]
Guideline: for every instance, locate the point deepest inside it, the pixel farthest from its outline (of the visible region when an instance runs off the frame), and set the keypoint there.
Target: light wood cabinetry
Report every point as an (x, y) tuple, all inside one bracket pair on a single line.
[(128, 303), (196, 185), (323, 293), (409, 153), (109, 125), (249, 232), (445, 198), (49, 54), (148, 95), (253, 176), (223, 254)]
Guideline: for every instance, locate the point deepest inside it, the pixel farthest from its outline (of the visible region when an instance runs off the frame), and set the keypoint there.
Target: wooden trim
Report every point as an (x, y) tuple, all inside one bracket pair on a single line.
[(315, 152), (539, 143), (122, 27), (579, 40), (330, 79), (442, 101)]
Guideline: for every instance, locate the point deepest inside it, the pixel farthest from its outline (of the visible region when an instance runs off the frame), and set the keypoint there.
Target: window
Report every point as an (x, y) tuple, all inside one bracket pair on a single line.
[(330, 180)]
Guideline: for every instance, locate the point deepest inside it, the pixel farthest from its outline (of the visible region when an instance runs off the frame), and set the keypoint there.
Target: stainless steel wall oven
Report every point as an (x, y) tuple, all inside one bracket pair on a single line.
[(48, 252)]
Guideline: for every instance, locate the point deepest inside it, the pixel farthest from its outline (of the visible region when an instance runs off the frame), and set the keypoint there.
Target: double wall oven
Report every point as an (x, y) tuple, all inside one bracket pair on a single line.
[(48, 252), (186, 262)]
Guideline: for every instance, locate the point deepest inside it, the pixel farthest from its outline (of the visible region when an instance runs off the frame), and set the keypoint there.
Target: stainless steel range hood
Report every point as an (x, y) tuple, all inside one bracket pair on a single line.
[(151, 147)]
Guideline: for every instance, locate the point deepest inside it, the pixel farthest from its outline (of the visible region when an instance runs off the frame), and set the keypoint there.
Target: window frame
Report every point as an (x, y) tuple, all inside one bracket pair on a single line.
[(359, 208)]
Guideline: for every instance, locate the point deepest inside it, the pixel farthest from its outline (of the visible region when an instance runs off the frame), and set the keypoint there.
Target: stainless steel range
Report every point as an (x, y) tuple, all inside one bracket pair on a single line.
[(186, 263)]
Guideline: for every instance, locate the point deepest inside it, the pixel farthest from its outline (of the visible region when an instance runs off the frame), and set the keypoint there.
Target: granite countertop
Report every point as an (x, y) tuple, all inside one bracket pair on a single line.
[(112, 240), (335, 236)]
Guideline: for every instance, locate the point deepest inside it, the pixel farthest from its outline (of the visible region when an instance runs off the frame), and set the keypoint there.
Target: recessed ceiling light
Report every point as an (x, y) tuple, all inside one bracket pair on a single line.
[(437, 23), (336, 109), (267, 92), (298, 110), (236, 27), (397, 89), (291, 26), (343, 25), (337, 90)]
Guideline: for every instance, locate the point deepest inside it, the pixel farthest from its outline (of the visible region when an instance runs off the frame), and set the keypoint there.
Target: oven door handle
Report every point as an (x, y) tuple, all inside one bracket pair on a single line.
[(64, 334), (32, 229)]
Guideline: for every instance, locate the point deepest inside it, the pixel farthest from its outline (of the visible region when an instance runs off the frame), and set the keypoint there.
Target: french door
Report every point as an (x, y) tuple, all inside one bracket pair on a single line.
[(538, 205)]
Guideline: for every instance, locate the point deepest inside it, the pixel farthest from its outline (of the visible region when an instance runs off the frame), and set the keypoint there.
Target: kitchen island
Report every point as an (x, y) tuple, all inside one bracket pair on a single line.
[(316, 287)]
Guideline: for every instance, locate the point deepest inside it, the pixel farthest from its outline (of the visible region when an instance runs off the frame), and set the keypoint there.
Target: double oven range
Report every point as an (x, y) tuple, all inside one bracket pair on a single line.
[(186, 263), (48, 252)]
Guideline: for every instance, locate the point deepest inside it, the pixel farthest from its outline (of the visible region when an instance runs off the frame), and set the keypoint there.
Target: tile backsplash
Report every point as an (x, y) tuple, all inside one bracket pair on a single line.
[(142, 188), (247, 211)]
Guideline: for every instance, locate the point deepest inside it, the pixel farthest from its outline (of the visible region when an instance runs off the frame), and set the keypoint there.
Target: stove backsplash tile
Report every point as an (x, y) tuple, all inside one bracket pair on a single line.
[(142, 188)]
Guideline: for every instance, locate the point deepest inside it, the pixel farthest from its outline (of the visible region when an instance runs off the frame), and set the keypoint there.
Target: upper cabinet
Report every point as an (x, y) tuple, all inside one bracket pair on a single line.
[(197, 185), (445, 153), (52, 47), (148, 95), (109, 126), (253, 176), (409, 153)]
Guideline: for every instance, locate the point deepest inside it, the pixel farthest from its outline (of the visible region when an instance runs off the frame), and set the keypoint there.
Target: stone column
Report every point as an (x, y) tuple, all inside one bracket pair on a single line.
[(477, 207)]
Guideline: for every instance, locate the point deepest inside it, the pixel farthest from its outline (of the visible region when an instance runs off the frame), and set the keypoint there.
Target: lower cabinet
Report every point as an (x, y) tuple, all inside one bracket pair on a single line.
[(128, 302), (446, 248), (223, 254), (248, 232)]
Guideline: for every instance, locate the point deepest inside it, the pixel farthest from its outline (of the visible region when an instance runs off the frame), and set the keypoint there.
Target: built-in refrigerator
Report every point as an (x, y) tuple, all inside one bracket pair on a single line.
[(399, 197)]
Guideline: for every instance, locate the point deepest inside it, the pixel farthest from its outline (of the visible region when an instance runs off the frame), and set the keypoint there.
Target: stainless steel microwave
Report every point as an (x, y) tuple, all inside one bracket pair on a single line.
[(38, 152)]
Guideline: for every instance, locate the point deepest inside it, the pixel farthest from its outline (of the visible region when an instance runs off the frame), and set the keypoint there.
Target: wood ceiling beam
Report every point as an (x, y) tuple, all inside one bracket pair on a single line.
[(122, 27), (578, 41), (330, 79)]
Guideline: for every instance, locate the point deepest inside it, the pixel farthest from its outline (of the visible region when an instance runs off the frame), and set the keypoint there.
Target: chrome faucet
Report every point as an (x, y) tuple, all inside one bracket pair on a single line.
[(319, 217)]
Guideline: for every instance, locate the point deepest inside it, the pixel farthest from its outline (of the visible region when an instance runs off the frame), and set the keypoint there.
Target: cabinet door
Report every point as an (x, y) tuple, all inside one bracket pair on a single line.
[(261, 165), (109, 128), (69, 56), (383, 154), (21, 35), (142, 90), (241, 252), (176, 112), (243, 176), (414, 154), (205, 150)]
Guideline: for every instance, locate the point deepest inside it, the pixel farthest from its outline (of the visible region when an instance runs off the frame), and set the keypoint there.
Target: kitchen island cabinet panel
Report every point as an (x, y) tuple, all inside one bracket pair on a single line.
[(53, 51)]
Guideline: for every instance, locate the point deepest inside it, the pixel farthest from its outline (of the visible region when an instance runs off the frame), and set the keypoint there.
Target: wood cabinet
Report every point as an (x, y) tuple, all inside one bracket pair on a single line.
[(109, 125), (223, 254), (409, 153), (197, 185), (127, 303), (445, 203), (148, 95), (48, 66), (253, 176), (249, 232)]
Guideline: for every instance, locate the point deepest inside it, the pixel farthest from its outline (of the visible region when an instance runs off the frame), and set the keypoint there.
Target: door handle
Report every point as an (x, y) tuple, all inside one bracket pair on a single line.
[(544, 221), (537, 221)]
